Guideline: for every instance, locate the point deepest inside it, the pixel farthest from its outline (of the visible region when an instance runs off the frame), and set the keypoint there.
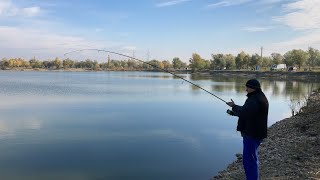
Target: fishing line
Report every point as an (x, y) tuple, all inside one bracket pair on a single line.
[(111, 52)]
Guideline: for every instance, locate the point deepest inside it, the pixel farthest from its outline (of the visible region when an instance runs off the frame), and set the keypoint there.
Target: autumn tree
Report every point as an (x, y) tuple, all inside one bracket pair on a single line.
[(295, 56), (239, 61), (277, 58), (255, 60), (218, 62), (57, 63), (177, 63), (196, 62), (67, 63), (230, 61), (314, 57)]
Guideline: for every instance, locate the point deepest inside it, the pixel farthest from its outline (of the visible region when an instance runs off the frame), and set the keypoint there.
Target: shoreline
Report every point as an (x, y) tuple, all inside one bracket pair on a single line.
[(291, 150), (278, 75)]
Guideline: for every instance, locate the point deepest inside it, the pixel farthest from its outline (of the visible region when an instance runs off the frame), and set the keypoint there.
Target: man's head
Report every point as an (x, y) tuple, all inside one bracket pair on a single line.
[(252, 85)]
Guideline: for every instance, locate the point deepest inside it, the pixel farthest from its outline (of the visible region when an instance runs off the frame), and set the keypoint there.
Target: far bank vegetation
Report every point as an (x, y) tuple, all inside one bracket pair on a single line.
[(304, 60)]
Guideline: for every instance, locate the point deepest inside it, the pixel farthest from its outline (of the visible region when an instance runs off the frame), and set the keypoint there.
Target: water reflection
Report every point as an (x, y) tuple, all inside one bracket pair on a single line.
[(288, 89), (9, 126), (123, 125)]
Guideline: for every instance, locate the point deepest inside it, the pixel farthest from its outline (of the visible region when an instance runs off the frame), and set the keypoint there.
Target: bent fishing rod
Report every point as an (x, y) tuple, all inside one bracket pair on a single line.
[(111, 52)]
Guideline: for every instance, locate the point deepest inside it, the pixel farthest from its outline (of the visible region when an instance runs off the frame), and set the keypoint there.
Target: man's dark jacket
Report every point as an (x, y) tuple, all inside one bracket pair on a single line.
[(253, 115)]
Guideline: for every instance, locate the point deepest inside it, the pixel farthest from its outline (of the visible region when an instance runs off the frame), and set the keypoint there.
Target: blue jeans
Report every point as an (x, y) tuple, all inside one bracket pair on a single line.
[(250, 157)]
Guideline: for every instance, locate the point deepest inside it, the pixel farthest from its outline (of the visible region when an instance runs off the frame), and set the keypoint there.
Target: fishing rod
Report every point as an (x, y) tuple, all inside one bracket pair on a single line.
[(111, 52)]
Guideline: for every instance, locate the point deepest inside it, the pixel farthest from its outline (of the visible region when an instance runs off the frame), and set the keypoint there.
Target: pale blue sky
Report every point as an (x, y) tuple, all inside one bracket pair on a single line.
[(164, 28)]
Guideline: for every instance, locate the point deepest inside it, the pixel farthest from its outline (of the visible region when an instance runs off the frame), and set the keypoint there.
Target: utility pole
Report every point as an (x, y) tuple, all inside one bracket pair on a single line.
[(133, 52), (108, 65), (148, 55), (261, 59)]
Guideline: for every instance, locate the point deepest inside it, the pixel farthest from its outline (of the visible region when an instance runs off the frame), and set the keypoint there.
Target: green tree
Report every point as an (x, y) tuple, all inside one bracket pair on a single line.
[(154, 63), (184, 65), (240, 60), (132, 64), (288, 58), (277, 58), (47, 64), (218, 62), (267, 61), (25, 64), (57, 63), (196, 62), (67, 63), (207, 64), (4, 63), (230, 61), (124, 64), (255, 60), (11, 63), (314, 57), (31, 62), (38, 64), (177, 63), (246, 61), (95, 65), (115, 64), (297, 57), (166, 64)]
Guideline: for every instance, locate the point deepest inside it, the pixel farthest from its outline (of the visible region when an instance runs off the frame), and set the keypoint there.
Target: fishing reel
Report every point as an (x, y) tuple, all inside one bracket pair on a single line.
[(230, 112)]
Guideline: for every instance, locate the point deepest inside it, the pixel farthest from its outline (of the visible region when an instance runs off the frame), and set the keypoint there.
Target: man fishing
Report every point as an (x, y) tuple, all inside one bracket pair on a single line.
[(252, 124)]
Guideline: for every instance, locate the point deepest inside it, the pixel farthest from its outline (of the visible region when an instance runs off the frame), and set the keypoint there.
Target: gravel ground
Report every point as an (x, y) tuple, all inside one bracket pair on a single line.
[(292, 149)]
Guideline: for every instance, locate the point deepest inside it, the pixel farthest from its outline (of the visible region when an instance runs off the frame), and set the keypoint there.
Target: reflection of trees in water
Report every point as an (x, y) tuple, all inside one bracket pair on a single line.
[(221, 88), (194, 88), (231, 78), (278, 87), (296, 104), (183, 76), (288, 89), (240, 88), (298, 90), (223, 83), (267, 85)]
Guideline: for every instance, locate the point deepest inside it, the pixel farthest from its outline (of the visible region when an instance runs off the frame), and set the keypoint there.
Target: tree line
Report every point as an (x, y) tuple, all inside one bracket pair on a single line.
[(296, 57), (110, 64)]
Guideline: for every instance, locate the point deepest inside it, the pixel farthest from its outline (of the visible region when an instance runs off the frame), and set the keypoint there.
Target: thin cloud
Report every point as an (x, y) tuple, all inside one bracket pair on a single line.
[(227, 3), (267, 5), (304, 41), (44, 42), (171, 3), (7, 8), (257, 29), (31, 11), (301, 15), (272, 1), (4, 6)]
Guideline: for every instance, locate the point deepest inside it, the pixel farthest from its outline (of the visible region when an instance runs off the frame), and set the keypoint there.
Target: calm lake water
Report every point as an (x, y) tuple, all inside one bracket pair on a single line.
[(124, 125)]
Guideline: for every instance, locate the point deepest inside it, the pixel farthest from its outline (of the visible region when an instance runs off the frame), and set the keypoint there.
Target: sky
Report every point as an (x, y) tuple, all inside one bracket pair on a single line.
[(156, 29)]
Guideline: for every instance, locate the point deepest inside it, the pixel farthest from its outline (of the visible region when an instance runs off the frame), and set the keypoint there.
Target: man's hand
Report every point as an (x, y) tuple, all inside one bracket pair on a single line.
[(231, 104)]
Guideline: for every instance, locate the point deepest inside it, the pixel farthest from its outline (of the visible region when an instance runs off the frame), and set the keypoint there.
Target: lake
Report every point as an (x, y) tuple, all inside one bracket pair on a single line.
[(125, 125)]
